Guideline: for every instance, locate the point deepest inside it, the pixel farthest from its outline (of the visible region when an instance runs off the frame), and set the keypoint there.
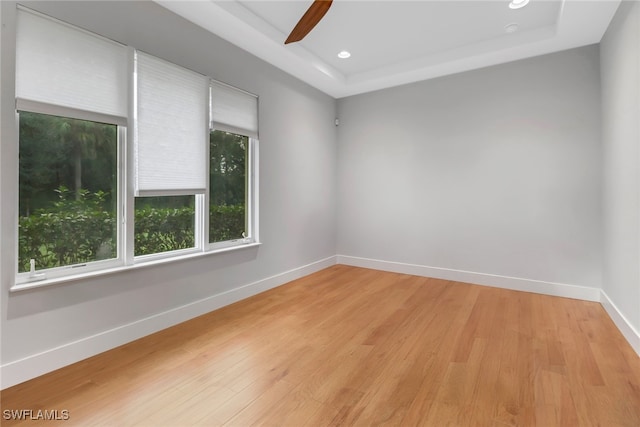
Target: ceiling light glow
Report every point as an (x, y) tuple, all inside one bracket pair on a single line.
[(517, 4), (511, 28), (344, 54)]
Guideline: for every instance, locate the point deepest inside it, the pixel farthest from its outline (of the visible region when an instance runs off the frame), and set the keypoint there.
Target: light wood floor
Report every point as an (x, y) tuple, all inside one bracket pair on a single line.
[(350, 346)]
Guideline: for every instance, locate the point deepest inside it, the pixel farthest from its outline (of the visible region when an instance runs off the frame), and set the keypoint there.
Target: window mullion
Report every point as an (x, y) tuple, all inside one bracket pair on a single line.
[(200, 218), (253, 191), (121, 194), (203, 233), (128, 185)]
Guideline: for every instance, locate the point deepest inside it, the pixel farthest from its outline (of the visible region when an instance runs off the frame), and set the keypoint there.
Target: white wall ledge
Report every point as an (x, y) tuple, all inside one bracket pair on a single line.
[(143, 264)]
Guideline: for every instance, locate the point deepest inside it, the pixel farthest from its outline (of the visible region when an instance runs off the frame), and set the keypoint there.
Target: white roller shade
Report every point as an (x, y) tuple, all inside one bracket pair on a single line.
[(171, 132), (234, 110), (58, 64)]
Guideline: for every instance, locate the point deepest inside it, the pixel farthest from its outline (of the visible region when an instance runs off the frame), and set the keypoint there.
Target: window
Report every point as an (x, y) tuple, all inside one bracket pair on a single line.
[(169, 155), (68, 191), (229, 153), (124, 158), (232, 153), (164, 224), (71, 99)]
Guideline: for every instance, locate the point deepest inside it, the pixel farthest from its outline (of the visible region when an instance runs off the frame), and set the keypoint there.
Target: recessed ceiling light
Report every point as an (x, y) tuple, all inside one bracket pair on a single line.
[(344, 54), (511, 28), (517, 4)]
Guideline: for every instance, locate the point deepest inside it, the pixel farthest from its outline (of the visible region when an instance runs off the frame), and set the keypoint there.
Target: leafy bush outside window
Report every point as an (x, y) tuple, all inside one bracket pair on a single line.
[(85, 235), (164, 224)]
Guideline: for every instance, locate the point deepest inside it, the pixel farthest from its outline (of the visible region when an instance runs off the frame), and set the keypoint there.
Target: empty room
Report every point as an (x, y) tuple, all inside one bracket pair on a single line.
[(234, 213)]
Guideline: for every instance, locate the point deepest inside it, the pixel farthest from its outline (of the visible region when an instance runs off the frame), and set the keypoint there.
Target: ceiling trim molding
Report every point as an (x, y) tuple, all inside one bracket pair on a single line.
[(579, 23)]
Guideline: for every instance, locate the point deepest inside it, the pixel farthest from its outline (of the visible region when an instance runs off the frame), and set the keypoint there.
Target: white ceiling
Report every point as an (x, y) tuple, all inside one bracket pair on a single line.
[(398, 42)]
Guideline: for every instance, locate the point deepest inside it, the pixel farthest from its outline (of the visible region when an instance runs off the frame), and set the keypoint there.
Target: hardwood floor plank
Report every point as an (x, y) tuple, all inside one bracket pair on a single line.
[(351, 346)]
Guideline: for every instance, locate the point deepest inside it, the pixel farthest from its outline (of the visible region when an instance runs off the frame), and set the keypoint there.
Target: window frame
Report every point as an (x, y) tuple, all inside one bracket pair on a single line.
[(251, 210), (90, 266)]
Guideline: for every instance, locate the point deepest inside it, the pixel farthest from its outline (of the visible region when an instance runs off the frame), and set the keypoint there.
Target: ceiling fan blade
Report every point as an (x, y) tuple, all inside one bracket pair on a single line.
[(310, 19)]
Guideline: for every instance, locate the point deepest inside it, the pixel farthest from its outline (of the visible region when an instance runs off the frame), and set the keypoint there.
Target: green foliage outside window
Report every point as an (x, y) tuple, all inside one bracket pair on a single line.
[(57, 152), (228, 158), (164, 224), (68, 180), (73, 230)]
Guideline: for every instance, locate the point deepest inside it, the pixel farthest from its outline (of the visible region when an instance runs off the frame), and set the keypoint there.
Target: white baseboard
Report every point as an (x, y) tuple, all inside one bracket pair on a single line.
[(35, 365), (513, 283), (625, 327)]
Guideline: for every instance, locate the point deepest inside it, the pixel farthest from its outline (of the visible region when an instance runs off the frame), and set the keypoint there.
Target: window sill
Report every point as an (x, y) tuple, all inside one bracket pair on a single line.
[(119, 269)]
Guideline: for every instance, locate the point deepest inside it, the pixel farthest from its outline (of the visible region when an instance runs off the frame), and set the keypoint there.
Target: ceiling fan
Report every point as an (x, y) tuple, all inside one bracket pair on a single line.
[(310, 19)]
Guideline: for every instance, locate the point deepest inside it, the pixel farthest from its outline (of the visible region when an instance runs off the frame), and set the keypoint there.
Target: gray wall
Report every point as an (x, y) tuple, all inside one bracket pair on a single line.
[(297, 190), (493, 171), (620, 65)]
